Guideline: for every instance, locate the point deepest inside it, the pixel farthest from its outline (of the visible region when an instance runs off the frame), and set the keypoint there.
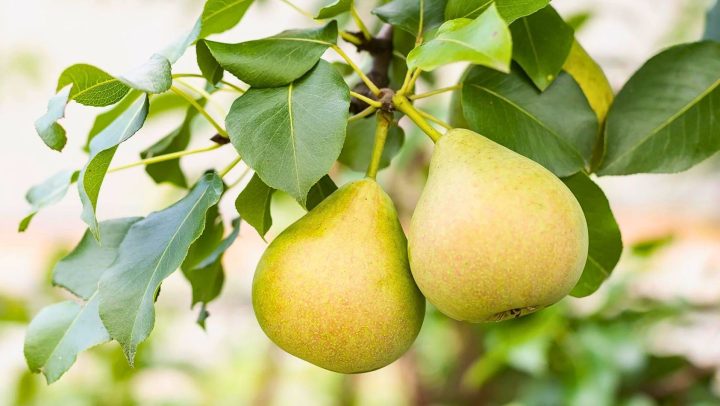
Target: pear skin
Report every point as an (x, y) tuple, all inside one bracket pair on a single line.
[(494, 235), (335, 287)]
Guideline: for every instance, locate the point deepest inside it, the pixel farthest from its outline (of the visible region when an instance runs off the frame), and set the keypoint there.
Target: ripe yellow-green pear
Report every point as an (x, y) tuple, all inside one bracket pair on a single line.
[(335, 287), (494, 235)]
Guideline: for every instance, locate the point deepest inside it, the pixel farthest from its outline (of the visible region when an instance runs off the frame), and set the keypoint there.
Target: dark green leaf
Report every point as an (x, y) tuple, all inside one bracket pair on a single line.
[(207, 277), (578, 20), (483, 41), (209, 67), (277, 60), (334, 9), (664, 118), (605, 241), (52, 133), (542, 43), (405, 14), (80, 271), (292, 135), (509, 109), (253, 205), (178, 140), (92, 86), (152, 250), (319, 192), (211, 236), (712, 25), (154, 76), (221, 15), (58, 333), (102, 150), (47, 193), (357, 151), (511, 10)]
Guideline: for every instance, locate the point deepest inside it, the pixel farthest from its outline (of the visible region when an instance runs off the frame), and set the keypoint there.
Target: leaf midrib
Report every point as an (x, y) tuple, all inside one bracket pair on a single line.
[(667, 122), (292, 137), (98, 84)]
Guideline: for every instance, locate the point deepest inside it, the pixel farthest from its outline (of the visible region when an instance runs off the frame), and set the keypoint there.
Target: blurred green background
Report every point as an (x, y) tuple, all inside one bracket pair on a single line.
[(650, 336)]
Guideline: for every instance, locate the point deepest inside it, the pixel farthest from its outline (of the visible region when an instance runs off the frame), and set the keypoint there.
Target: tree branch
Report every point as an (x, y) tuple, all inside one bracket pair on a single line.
[(381, 50)]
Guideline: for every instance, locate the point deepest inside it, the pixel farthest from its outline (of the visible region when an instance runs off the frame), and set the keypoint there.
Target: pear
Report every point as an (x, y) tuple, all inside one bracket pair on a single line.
[(335, 288), (494, 234)]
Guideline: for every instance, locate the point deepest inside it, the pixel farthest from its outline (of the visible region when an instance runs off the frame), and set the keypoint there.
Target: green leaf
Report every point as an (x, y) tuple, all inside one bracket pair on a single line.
[(80, 271), (104, 119), (152, 250), (221, 15), (712, 25), (483, 41), (211, 236), (405, 14), (591, 78), (277, 60), (47, 193), (605, 240), (174, 51), (292, 135), (208, 276), (178, 140), (253, 205), (102, 150), (209, 67), (52, 133), (664, 118), (542, 42), (58, 333), (508, 109), (154, 76), (92, 86), (334, 9), (319, 192), (357, 151), (511, 10)]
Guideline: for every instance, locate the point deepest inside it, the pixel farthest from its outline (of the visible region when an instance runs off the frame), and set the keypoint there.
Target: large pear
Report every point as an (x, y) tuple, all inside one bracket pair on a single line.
[(494, 235), (335, 287)]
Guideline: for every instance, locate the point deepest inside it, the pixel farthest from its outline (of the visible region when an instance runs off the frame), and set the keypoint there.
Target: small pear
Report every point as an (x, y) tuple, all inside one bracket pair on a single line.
[(494, 235), (335, 287)]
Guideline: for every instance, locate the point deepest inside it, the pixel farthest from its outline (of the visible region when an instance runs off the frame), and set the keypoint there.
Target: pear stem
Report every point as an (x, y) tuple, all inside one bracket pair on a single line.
[(403, 104), (384, 120)]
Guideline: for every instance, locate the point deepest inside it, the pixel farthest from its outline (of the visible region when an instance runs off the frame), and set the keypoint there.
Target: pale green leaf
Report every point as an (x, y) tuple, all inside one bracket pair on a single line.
[(154, 76), (102, 150), (291, 135), (47, 193), (52, 133), (221, 15), (334, 9), (152, 250), (277, 60), (92, 86), (483, 41), (511, 10)]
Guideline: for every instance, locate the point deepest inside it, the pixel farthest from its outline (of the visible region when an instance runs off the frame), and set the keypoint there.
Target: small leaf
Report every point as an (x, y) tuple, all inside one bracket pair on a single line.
[(511, 10), (47, 193), (405, 14), (80, 271), (102, 150), (292, 135), (357, 150), (52, 133), (92, 86), (154, 76), (253, 205), (208, 276), (509, 110), (277, 60), (178, 140), (209, 67), (605, 240), (334, 9), (483, 41), (319, 192), (542, 42), (152, 250), (58, 333), (591, 78), (661, 124), (221, 15)]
